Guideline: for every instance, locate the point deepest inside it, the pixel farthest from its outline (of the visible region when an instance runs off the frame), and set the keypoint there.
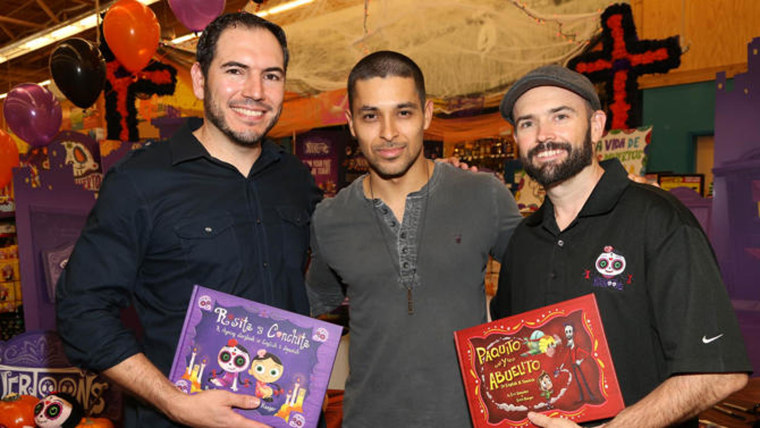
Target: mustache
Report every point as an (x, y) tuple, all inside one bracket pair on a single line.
[(389, 145), (251, 103), (548, 145)]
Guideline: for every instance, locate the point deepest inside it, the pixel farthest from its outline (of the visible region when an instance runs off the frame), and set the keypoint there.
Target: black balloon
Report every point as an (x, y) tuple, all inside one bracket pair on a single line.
[(79, 71)]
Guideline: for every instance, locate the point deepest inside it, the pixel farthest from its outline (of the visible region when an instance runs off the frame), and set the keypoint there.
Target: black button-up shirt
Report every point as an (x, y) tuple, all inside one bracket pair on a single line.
[(170, 216)]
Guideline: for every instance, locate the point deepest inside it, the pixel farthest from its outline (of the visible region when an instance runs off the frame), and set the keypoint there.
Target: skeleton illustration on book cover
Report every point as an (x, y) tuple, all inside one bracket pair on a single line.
[(552, 360)]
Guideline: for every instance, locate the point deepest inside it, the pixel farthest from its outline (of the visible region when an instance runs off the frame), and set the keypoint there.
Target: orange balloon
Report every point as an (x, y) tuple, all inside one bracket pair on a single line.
[(132, 33), (8, 158)]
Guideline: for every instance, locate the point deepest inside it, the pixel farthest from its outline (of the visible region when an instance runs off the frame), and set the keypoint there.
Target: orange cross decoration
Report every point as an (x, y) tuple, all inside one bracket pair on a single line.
[(122, 87)]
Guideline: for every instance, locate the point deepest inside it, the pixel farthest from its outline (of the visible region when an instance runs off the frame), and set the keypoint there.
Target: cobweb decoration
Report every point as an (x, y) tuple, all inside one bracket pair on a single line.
[(464, 47)]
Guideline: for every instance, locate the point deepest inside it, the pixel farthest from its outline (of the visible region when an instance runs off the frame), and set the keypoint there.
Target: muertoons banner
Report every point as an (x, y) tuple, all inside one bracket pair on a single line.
[(33, 363), (78, 150)]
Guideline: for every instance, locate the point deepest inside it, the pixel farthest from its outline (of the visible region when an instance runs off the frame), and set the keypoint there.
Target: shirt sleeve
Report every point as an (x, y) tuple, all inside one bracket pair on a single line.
[(499, 305), (692, 311), (99, 277), (507, 217), (323, 286)]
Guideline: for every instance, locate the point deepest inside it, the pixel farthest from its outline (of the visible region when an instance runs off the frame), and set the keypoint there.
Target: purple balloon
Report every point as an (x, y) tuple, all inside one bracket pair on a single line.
[(33, 113), (196, 14)]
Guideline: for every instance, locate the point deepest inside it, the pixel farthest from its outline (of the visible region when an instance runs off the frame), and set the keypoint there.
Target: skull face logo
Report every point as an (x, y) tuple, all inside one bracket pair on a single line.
[(609, 263)]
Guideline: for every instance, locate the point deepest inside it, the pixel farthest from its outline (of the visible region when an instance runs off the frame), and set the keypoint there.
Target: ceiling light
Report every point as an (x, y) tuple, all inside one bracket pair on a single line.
[(283, 7), (43, 83), (59, 32), (271, 11)]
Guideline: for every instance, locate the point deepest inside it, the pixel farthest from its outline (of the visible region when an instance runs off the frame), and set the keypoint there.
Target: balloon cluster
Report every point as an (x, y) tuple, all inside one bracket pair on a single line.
[(78, 69)]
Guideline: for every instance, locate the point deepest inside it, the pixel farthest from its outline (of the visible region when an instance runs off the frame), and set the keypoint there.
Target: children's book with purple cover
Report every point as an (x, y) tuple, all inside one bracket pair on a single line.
[(283, 358)]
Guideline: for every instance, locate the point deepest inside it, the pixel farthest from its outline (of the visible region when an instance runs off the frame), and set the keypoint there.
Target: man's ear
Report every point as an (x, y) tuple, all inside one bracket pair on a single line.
[(196, 73), (598, 119), (349, 119), (428, 111)]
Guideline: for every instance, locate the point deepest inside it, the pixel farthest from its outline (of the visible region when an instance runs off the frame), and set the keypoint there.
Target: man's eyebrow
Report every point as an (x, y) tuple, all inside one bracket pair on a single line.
[(229, 64), (234, 64), (551, 111), (407, 105), (523, 117), (274, 69), (561, 108)]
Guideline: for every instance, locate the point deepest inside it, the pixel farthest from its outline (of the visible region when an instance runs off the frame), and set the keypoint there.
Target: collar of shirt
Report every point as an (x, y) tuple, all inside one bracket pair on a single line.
[(185, 147), (606, 193)]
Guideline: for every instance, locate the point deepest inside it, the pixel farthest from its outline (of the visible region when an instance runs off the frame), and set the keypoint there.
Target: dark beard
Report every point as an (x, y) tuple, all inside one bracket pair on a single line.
[(550, 174), (216, 117)]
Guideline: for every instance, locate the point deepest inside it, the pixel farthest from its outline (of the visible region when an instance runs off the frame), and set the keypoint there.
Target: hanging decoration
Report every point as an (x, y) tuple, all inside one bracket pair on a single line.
[(196, 14), (78, 70), (8, 158), (33, 113), (132, 31), (622, 59), (122, 90)]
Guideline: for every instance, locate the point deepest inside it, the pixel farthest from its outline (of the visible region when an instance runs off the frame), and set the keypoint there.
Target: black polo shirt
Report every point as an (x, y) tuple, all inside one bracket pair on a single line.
[(170, 216), (642, 253)]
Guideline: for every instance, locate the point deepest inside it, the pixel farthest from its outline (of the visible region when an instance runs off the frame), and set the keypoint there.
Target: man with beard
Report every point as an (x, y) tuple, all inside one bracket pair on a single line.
[(408, 243), (672, 332), (215, 205)]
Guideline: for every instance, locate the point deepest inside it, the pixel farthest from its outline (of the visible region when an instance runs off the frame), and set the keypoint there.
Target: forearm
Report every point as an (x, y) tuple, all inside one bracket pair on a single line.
[(679, 398), (142, 379)]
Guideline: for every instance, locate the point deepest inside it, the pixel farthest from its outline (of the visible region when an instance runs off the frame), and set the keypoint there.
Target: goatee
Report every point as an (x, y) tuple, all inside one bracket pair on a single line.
[(551, 174)]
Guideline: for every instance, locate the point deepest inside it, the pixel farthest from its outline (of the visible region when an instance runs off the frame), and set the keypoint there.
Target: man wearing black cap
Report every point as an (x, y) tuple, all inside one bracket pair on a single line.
[(673, 336)]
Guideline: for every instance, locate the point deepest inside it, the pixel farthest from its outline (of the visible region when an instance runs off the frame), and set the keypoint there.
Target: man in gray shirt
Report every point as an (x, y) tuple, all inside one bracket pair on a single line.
[(408, 243)]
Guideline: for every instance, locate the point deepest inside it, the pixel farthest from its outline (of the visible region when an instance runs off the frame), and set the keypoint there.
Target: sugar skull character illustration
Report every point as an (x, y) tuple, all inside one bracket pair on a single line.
[(80, 158), (266, 368), (610, 265), (233, 360), (58, 410)]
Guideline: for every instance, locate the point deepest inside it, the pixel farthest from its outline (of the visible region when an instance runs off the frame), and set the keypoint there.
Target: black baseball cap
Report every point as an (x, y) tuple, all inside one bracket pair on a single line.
[(549, 75)]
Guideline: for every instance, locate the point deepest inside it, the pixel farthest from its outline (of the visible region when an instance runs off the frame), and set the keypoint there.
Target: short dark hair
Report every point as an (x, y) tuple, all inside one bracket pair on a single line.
[(384, 64), (206, 48)]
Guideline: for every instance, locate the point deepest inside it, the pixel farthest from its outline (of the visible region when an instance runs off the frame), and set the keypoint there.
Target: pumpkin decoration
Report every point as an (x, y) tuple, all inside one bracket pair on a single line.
[(17, 411), (88, 422)]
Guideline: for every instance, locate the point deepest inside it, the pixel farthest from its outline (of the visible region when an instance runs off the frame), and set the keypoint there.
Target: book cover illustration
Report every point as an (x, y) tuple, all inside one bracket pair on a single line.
[(552, 360), (283, 358)]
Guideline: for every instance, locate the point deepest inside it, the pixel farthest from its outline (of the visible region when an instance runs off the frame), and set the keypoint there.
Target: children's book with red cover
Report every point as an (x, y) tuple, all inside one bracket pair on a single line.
[(284, 359), (553, 360)]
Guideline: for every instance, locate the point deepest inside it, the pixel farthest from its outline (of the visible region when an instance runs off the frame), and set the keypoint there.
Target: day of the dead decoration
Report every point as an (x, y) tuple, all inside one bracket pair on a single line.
[(33, 113), (622, 59), (78, 70), (196, 14), (123, 87), (132, 31)]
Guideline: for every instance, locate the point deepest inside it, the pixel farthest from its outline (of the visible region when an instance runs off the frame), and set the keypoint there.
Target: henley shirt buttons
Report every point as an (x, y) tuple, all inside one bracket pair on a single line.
[(561, 243), (406, 265), (266, 264), (403, 235), (404, 250), (258, 221)]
